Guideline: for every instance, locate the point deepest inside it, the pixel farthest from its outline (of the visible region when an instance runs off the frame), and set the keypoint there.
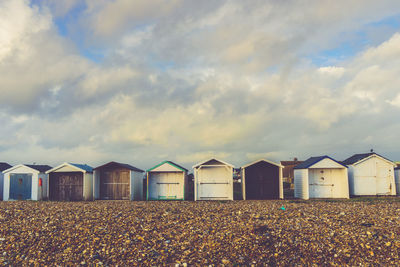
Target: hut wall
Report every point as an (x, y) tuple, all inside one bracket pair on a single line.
[(301, 185), (136, 188), (96, 184), (397, 175), (88, 186), (1, 186)]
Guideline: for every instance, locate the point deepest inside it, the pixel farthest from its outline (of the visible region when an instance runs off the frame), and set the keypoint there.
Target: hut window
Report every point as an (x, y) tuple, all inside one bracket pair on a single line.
[(322, 171), (20, 181), (322, 178)]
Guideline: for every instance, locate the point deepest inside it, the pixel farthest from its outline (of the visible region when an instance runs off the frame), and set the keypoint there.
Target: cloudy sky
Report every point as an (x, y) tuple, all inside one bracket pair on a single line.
[(90, 81)]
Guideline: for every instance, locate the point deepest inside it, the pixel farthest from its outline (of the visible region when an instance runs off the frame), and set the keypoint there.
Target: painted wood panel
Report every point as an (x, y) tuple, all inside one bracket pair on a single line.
[(166, 185), (20, 186), (115, 184), (66, 186)]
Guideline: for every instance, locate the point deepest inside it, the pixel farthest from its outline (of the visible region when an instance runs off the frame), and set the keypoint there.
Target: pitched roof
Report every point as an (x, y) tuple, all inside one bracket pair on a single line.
[(83, 167), (40, 168), (313, 160), (170, 163), (123, 165), (357, 157), (212, 159), (80, 167), (263, 160), (4, 166)]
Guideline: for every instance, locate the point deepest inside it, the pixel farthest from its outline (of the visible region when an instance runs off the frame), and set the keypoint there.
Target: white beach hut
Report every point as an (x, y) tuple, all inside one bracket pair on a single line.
[(71, 182), (25, 182), (370, 174), (397, 178), (116, 180), (166, 181), (3, 166), (321, 177), (213, 180)]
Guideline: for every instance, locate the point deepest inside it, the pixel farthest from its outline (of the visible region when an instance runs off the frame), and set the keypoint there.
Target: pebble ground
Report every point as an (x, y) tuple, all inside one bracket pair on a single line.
[(364, 231)]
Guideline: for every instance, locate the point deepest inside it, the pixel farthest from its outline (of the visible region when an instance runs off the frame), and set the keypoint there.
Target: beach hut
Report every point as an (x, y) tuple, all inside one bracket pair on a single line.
[(370, 174), (397, 178), (262, 179), (213, 180), (116, 180), (321, 177), (71, 182), (3, 166), (25, 182), (166, 181)]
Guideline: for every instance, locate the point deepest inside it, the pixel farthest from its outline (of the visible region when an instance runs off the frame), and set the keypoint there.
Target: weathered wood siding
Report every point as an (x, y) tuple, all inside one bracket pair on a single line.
[(115, 184), (66, 186)]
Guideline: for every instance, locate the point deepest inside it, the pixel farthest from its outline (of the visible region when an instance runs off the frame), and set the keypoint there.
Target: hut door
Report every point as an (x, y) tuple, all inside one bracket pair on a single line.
[(214, 183), (20, 186), (114, 185), (322, 184), (66, 186), (167, 185), (383, 181)]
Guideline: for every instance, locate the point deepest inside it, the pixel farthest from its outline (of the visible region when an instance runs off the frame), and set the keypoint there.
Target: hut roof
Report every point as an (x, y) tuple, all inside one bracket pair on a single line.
[(313, 160), (211, 160), (358, 157), (123, 165), (170, 163), (260, 160), (4, 166), (80, 167), (40, 168)]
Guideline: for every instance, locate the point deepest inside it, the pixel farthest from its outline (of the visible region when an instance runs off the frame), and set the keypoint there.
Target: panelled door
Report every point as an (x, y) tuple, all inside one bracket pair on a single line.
[(66, 186), (322, 184), (20, 186), (214, 183), (383, 179), (168, 185), (114, 185)]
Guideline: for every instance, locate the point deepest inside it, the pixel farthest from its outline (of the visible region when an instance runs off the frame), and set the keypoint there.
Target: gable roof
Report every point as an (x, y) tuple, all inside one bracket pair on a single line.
[(170, 163), (35, 168), (313, 160), (358, 157), (40, 168), (265, 160), (80, 167), (4, 166), (123, 165), (203, 162)]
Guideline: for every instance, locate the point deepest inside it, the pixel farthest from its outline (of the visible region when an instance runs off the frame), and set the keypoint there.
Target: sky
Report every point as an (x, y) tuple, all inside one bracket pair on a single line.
[(139, 82)]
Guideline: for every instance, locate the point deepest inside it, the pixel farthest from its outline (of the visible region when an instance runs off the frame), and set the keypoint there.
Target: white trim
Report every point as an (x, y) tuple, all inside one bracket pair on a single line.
[(265, 160), (201, 163), (66, 164), (19, 166), (371, 156)]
